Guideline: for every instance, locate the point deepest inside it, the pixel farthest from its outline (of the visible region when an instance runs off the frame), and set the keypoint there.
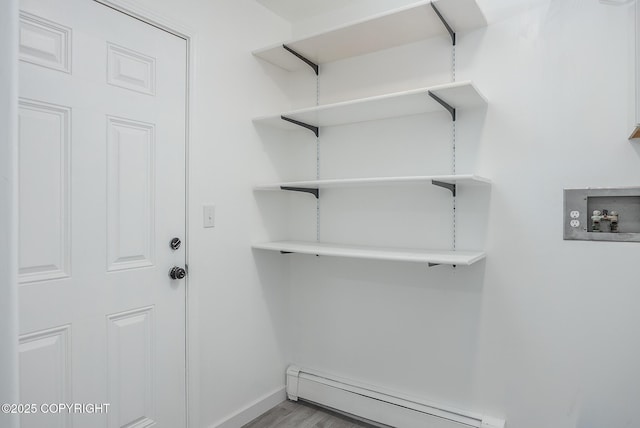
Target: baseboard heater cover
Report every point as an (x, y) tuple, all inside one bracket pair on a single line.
[(377, 405)]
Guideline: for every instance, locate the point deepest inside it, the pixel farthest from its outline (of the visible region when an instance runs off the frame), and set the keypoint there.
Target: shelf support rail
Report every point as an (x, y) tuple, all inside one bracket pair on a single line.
[(312, 128), (448, 186), (314, 192), (444, 104), (305, 60), (445, 23)]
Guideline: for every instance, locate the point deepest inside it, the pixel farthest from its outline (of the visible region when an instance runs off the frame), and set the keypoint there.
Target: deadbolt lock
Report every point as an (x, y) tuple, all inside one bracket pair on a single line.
[(175, 243)]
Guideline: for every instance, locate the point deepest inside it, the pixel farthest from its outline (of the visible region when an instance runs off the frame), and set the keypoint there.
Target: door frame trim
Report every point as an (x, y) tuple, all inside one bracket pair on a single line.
[(192, 369), (9, 388)]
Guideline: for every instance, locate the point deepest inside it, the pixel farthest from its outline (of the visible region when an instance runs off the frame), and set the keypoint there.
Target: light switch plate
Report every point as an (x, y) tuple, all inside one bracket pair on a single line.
[(209, 216)]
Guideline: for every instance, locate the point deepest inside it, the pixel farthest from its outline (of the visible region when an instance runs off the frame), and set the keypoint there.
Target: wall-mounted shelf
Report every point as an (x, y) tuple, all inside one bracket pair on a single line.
[(431, 257), (459, 95), (460, 179), (397, 27), (419, 21)]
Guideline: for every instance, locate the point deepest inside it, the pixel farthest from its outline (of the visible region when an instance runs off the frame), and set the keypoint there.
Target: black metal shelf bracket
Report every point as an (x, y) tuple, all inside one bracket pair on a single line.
[(303, 59), (444, 104), (448, 186), (312, 128), (437, 264), (291, 252), (314, 192), (445, 23)]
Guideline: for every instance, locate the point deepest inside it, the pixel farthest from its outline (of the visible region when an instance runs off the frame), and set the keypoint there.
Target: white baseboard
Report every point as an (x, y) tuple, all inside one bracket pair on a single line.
[(253, 410)]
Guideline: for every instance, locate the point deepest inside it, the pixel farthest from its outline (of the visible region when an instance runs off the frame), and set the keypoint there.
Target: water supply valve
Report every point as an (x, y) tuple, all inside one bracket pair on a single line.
[(613, 217), (595, 221), (604, 221)]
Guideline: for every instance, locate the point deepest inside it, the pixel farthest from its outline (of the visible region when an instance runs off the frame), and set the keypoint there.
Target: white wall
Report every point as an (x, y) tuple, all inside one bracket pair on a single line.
[(8, 207), (544, 332), (238, 337)]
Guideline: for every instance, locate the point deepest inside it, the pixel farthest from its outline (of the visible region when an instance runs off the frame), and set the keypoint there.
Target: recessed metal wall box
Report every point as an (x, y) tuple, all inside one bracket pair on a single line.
[(602, 214)]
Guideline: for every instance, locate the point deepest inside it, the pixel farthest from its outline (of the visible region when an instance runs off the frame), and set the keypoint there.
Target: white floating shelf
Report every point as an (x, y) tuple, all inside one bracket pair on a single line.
[(389, 29), (459, 258), (459, 95), (466, 179)]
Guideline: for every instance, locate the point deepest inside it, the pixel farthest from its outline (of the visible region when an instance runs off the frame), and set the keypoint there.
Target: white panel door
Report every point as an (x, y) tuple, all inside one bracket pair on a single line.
[(102, 194)]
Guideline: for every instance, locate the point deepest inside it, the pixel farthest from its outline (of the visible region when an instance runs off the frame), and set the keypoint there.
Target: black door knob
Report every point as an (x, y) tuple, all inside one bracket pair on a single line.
[(177, 273)]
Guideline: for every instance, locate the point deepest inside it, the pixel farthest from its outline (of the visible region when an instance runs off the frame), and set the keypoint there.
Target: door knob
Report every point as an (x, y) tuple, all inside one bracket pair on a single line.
[(177, 273), (175, 243)]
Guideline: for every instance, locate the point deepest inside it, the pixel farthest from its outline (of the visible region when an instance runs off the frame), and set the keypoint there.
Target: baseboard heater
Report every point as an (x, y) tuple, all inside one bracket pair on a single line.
[(375, 404)]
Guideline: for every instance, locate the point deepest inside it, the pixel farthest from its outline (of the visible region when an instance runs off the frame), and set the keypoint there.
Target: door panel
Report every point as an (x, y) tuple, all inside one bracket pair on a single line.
[(45, 43), (45, 363), (130, 194), (131, 70), (102, 169), (131, 380), (45, 247)]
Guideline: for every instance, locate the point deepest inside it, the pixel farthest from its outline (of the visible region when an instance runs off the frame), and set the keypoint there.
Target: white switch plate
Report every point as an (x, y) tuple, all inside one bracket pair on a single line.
[(209, 216)]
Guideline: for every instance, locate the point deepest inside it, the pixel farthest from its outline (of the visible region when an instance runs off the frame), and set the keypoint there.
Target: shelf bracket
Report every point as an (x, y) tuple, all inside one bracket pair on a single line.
[(314, 192), (448, 186), (445, 23), (444, 104), (312, 128), (291, 252), (305, 60)]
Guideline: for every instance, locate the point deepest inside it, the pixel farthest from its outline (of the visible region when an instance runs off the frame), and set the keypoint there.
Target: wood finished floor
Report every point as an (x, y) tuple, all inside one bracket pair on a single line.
[(299, 414)]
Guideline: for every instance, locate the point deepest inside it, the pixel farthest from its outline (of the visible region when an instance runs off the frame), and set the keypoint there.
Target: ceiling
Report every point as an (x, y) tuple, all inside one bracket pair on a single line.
[(295, 10)]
